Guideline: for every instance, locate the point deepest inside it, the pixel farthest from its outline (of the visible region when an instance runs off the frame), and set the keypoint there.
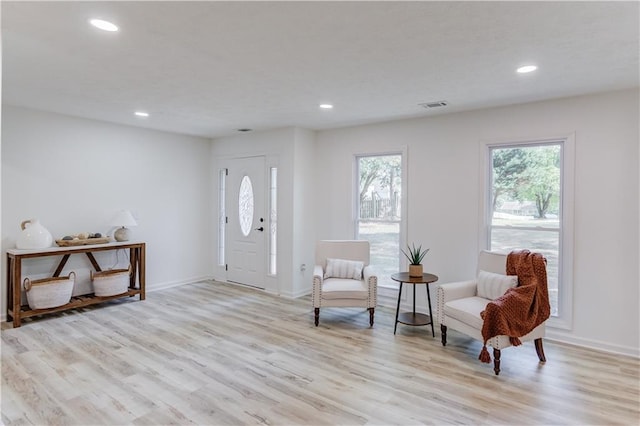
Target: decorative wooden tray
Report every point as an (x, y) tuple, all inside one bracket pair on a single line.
[(86, 242)]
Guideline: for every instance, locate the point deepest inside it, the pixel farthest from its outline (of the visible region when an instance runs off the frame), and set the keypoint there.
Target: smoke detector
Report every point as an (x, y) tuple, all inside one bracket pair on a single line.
[(436, 104)]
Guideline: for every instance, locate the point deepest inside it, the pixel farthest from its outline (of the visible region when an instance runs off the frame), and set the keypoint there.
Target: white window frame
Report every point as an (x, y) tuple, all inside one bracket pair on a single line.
[(385, 287), (564, 320)]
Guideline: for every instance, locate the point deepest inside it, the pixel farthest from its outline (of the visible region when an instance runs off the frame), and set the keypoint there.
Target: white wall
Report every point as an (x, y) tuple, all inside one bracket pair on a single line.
[(304, 217), (444, 194), (74, 174)]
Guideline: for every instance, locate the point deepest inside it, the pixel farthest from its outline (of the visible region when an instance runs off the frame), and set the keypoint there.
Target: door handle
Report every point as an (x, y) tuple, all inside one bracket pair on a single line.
[(261, 229)]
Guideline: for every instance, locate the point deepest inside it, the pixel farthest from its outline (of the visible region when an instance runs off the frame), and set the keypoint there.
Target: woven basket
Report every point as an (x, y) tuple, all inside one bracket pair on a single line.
[(49, 292), (110, 283)]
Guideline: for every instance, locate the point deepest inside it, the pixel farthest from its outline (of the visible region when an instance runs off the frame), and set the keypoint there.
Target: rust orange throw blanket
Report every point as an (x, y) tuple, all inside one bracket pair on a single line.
[(522, 308)]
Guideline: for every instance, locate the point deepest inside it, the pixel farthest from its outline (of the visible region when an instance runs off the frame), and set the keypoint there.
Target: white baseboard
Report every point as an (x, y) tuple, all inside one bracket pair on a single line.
[(170, 284), (295, 295), (562, 337)]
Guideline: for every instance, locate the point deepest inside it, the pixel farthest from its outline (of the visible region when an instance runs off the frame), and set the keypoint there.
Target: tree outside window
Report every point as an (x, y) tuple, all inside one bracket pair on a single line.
[(525, 204), (379, 211)]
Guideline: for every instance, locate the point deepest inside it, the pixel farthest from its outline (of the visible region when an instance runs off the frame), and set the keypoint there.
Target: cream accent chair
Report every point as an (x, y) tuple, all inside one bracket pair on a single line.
[(459, 307), (343, 292)]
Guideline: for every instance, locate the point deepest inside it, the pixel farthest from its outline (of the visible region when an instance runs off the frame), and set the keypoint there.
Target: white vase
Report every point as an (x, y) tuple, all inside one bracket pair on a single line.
[(33, 235)]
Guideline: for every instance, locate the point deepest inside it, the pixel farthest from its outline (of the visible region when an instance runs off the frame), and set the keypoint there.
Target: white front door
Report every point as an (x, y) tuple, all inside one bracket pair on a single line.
[(246, 226)]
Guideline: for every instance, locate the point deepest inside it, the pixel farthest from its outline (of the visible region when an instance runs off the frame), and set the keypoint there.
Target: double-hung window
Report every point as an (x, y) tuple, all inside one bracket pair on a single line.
[(527, 205), (379, 211)]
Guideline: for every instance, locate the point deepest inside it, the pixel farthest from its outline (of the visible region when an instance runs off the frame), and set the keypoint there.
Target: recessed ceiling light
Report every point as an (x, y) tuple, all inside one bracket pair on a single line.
[(141, 114), (527, 68), (103, 25), (326, 106)]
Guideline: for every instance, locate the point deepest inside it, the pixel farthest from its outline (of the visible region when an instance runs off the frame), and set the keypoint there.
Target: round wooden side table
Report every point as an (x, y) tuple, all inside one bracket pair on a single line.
[(414, 318)]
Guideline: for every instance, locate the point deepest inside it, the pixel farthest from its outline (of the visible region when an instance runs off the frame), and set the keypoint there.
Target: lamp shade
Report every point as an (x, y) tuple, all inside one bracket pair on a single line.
[(123, 218)]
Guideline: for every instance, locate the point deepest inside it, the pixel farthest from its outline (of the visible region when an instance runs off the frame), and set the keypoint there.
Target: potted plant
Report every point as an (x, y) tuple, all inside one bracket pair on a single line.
[(415, 256)]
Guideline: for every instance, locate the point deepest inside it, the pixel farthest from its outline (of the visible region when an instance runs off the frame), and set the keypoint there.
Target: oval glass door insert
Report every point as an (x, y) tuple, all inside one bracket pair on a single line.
[(245, 205)]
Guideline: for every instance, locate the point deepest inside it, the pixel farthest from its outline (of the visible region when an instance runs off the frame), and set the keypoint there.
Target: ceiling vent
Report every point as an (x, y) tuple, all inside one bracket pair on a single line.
[(245, 130), (436, 104)]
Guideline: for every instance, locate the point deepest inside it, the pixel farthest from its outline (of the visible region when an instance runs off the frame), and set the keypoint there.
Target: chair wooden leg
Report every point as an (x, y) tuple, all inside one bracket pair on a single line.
[(371, 311), (496, 360), (443, 331), (540, 350), (317, 315)]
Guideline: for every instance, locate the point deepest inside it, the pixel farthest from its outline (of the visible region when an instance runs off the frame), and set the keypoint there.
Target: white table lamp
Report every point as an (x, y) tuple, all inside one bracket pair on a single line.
[(123, 219)]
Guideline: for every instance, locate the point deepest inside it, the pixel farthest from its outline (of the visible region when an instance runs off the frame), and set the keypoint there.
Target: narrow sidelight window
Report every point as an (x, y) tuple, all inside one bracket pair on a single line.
[(222, 214), (273, 220)]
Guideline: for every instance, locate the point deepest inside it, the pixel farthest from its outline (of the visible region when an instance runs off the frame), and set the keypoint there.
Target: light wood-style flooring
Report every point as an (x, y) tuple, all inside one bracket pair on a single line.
[(216, 354)]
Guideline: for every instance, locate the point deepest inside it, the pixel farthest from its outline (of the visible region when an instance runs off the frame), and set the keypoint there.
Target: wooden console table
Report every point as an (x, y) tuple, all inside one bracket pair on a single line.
[(17, 311)]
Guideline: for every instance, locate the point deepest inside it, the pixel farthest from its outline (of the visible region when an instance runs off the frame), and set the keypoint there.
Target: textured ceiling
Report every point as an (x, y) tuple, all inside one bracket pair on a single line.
[(209, 68)]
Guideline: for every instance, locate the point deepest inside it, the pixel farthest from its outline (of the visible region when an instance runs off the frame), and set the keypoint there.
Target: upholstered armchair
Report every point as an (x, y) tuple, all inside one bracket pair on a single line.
[(461, 303), (342, 277)]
